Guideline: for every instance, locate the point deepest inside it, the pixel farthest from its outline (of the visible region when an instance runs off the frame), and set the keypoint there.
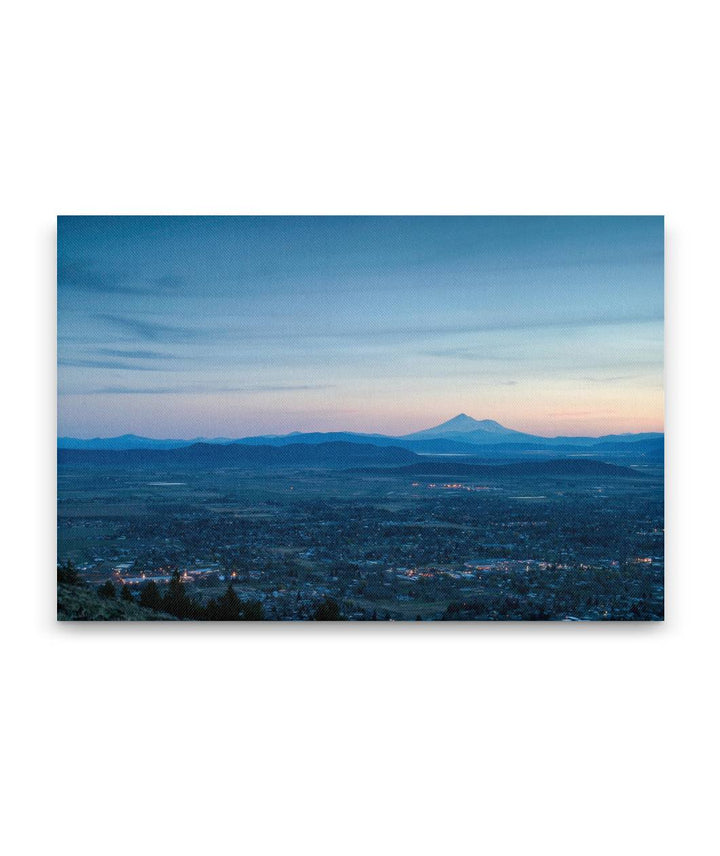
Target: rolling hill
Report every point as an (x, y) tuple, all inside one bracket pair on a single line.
[(333, 455), (559, 468)]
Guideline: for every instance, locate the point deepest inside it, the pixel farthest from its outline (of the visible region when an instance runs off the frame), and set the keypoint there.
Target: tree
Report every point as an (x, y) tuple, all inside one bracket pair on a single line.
[(328, 610), (225, 608), (150, 596), (253, 611), (126, 593), (67, 574), (175, 600), (107, 590)]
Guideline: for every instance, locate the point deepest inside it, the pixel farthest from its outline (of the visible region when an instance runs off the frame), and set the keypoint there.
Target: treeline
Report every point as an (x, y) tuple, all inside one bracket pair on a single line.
[(176, 602)]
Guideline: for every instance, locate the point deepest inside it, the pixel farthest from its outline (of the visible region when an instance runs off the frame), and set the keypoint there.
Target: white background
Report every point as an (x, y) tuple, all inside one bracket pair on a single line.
[(356, 739)]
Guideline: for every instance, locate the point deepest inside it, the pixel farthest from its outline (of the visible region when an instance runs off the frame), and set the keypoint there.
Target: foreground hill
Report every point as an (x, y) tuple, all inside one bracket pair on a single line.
[(82, 603)]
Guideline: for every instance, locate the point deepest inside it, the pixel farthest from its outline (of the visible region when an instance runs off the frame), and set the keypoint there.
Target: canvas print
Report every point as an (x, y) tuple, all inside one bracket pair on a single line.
[(360, 418)]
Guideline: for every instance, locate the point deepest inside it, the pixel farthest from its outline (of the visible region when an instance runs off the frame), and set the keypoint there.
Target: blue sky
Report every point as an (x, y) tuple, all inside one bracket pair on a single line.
[(228, 326)]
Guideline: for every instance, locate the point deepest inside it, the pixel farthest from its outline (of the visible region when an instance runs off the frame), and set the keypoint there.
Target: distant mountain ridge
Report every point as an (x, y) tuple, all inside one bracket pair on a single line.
[(460, 435), (132, 441)]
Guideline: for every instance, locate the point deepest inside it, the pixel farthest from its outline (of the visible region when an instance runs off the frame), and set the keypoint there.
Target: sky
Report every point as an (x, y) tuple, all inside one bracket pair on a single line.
[(233, 326)]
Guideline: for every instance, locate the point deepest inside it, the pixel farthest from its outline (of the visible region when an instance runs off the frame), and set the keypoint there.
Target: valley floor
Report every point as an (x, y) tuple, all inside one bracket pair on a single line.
[(298, 545)]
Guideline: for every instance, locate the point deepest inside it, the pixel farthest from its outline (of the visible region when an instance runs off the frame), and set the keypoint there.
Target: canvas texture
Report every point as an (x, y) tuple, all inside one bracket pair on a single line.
[(360, 419)]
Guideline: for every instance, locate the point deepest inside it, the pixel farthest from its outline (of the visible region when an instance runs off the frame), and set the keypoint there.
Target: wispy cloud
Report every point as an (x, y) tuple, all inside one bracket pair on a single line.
[(106, 364), (471, 354), (167, 283), (146, 330), (528, 324), (136, 355), (80, 275), (154, 331), (615, 379), (200, 390)]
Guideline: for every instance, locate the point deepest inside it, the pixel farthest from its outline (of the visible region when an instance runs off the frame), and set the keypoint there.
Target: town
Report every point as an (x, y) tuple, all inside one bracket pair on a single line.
[(375, 546)]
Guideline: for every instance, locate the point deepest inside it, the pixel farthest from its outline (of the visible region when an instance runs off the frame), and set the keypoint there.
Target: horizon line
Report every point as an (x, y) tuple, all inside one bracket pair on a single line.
[(201, 438)]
